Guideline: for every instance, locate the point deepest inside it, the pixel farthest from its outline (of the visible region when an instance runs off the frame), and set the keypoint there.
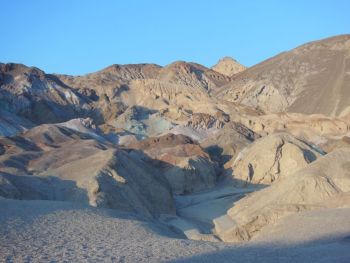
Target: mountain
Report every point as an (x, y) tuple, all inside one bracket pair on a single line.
[(38, 97), (228, 66), (174, 92), (312, 78), (141, 154)]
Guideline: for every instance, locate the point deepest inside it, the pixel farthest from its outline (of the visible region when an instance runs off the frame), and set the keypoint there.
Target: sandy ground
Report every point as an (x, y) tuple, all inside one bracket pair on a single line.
[(46, 231), (49, 231), (204, 207)]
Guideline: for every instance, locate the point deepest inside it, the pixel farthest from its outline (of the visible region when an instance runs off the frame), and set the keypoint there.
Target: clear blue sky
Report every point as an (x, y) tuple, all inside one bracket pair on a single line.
[(77, 37)]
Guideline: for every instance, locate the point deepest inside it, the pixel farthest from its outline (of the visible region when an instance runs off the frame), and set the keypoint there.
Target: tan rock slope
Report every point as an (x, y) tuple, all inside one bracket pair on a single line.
[(272, 157), (312, 78), (59, 163), (323, 184), (228, 66)]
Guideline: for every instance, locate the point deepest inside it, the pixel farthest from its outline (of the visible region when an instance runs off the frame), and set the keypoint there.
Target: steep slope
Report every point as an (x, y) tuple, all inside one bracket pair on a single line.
[(312, 78), (41, 98), (71, 162), (324, 183), (11, 123)]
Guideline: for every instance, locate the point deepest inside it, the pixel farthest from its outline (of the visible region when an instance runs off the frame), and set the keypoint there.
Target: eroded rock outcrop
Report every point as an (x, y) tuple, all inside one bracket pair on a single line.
[(207, 121), (68, 162), (225, 144), (324, 183), (186, 166), (39, 97), (272, 157)]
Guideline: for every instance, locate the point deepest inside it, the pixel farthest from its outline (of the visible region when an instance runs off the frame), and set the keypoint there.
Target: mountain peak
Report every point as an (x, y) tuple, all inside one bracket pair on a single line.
[(228, 66)]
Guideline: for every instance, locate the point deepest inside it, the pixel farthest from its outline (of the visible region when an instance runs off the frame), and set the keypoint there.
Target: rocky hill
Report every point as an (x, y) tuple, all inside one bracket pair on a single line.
[(228, 66), (309, 79)]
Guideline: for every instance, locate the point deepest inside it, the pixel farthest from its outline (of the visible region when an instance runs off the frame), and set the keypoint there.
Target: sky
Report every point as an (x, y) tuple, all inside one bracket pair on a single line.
[(81, 36)]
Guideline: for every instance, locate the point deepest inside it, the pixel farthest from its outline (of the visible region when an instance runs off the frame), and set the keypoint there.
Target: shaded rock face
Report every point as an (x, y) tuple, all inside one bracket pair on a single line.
[(185, 165), (41, 98), (7, 189), (272, 157), (56, 162), (131, 120), (324, 183), (11, 123), (225, 144), (129, 183)]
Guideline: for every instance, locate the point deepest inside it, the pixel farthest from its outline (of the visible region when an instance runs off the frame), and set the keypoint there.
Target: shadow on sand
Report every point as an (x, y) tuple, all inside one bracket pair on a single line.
[(329, 249)]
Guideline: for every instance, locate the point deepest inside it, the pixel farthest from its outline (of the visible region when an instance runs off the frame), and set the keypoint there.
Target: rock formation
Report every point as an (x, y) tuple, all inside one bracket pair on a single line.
[(228, 66), (182, 161), (272, 157), (322, 184), (59, 163), (219, 153), (308, 79)]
